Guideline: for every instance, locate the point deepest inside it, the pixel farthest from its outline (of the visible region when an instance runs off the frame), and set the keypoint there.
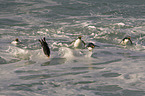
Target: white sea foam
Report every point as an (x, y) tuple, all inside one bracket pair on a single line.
[(110, 69), (120, 24)]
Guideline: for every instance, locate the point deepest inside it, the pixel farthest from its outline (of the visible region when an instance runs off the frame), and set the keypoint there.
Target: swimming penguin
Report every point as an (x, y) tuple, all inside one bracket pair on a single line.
[(45, 47), (126, 41), (79, 43), (15, 42), (90, 46)]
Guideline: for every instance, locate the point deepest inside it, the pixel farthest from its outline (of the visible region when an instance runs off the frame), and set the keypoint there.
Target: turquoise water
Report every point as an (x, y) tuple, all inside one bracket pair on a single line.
[(109, 70)]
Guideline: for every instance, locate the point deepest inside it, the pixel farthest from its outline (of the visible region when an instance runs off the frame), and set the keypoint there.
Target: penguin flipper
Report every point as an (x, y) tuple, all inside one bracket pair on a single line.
[(83, 42)]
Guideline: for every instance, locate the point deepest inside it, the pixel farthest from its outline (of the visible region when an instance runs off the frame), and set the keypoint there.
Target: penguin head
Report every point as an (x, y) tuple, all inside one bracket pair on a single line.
[(126, 40), (90, 46), (17, 40), (79, 37)]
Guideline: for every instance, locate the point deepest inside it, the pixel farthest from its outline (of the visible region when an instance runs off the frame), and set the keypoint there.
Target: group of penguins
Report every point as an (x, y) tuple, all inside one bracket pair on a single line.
[(77, 44)]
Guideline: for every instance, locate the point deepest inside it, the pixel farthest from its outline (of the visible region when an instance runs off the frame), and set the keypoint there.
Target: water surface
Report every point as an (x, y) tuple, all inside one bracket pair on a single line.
[(109, 70)]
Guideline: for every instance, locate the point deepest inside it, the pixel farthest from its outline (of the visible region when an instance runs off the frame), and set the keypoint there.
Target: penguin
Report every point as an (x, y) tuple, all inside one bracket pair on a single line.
[(79, 43), (126, 41), (45, 47), (15, 42), (90, 46)]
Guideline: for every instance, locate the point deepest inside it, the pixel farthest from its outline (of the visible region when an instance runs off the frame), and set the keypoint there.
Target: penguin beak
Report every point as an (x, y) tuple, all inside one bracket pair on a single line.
[(129, 37), (92, 46)]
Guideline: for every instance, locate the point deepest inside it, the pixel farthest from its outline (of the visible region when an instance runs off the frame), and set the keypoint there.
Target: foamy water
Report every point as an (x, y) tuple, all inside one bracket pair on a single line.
[(109, 70)]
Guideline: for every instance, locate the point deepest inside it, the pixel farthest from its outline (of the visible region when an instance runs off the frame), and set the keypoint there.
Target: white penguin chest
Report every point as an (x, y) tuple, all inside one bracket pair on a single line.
[(14, 42), (78, 43), (125, 42)]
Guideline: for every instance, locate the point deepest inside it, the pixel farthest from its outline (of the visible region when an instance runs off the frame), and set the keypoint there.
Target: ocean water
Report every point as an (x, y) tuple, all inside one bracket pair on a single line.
[(109, 70)]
